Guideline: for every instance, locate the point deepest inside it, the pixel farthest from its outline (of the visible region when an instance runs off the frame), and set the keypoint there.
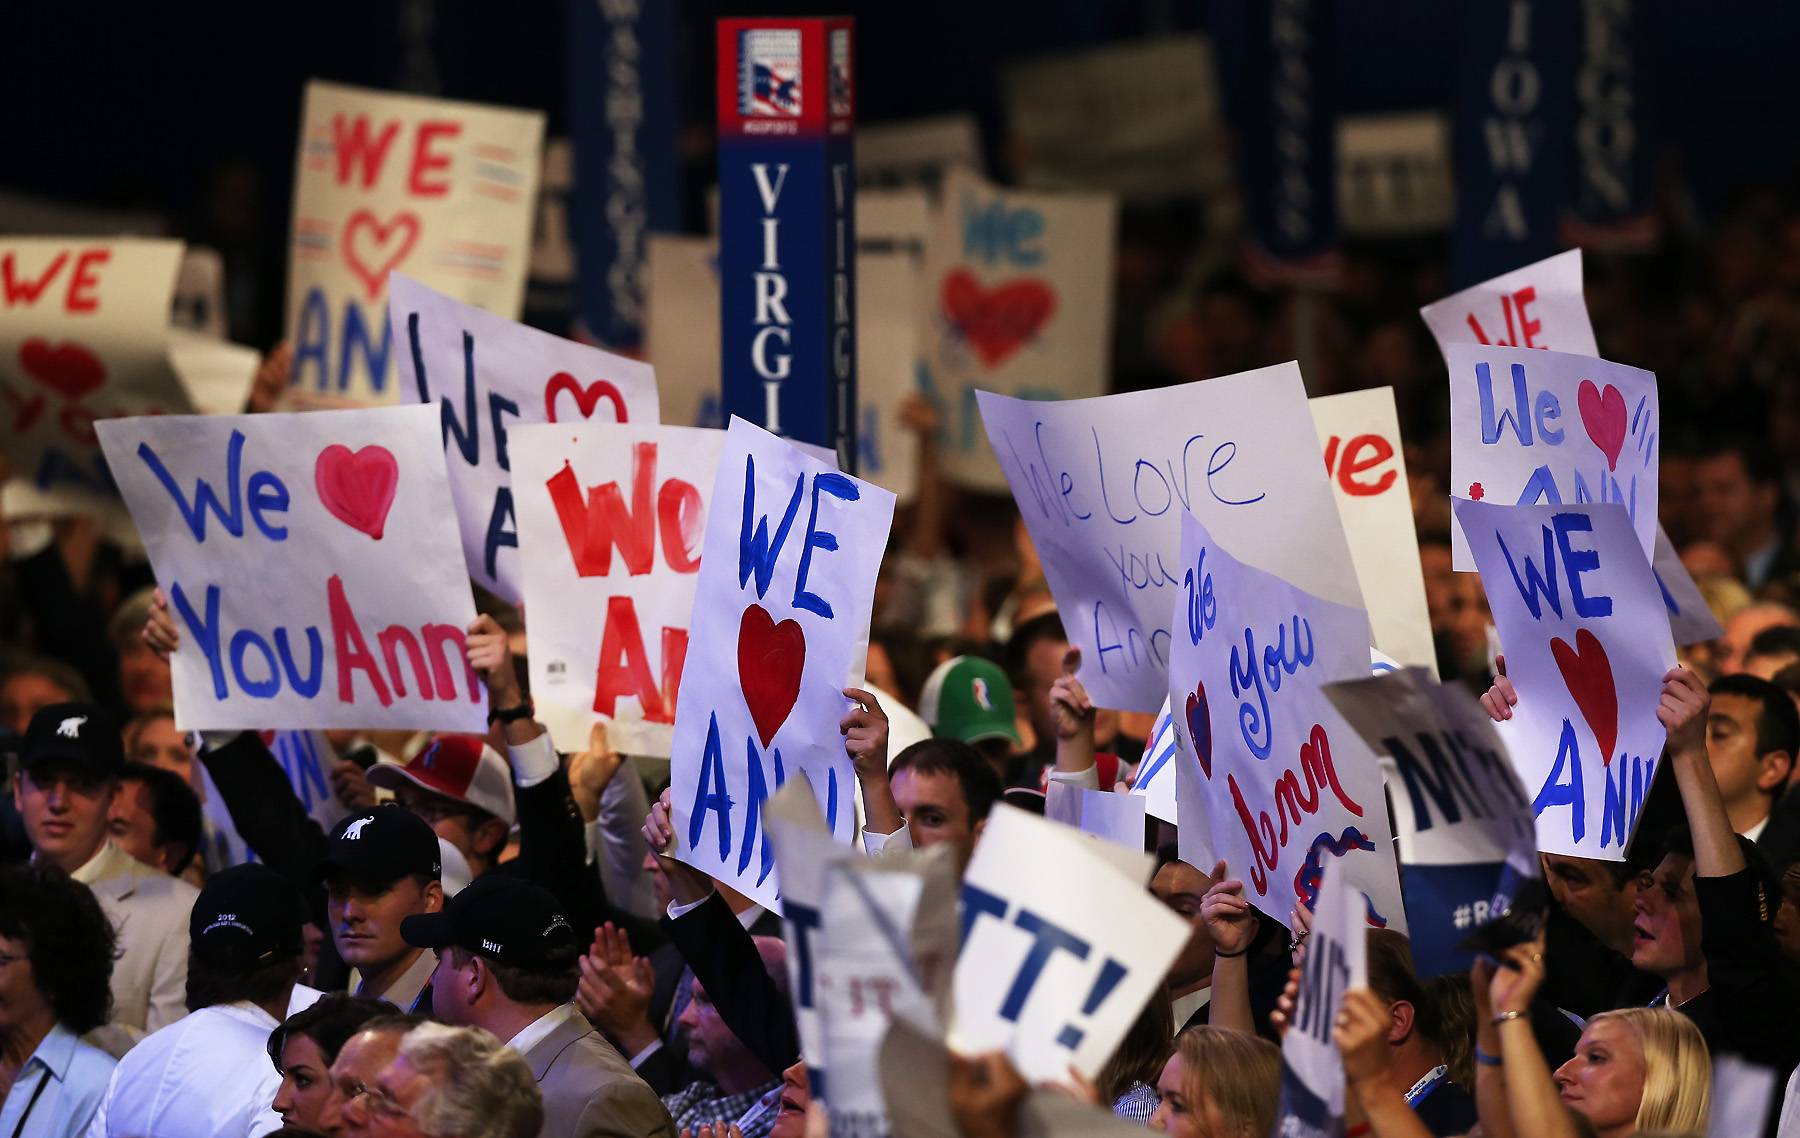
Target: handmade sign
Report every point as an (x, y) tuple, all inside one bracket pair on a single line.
[(1336, 960), (1538, 306), (216, 374), (1286, 786), (1018, 301), (1529, 426), (1055, 965), (307, 565), (83, 336), (610, 522), (485, 373), (887, 947), (1690, 619), (1367, 467), (1462, 820), (1586, 637), (442, 190), (1155, 778), (916, 152), (1116, 818), (780, 626), (1103, 483)]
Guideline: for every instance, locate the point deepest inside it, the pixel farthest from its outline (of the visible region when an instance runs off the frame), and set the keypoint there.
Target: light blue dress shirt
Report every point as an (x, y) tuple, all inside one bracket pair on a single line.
[(73, 1075)]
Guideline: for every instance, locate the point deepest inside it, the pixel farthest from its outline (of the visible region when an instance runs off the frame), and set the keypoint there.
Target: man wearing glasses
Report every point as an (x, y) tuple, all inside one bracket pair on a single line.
[(69, 769), (463, 788), (355, 1102)]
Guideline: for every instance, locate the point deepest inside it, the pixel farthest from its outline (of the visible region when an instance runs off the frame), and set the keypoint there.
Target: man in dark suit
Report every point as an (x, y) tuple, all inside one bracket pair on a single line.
[(506, 963)]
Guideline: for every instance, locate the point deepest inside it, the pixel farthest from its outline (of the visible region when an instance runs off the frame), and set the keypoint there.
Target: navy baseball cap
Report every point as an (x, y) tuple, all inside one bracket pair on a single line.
[(80, 736), (504, 918), (245, 917), (382, 845)]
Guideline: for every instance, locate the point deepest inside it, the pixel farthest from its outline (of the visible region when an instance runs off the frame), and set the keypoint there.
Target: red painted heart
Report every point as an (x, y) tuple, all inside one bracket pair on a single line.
[(1589, 676), (586, 399), (1199, 725), (373, 256), (1603, 414), (68, 368), (357, 488), (770, 659), (996, 322)]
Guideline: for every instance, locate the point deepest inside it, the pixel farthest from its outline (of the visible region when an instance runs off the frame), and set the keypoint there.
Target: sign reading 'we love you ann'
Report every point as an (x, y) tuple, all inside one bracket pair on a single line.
[(486, 373), (308, 565), (780, 626), (441, 190)]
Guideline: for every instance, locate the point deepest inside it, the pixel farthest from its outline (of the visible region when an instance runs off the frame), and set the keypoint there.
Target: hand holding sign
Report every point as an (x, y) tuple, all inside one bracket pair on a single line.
[(1231, 920)]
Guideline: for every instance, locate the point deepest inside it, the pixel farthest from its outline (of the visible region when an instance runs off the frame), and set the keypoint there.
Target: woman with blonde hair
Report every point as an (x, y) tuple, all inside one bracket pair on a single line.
[(1639, 1069), (1219, 1083)]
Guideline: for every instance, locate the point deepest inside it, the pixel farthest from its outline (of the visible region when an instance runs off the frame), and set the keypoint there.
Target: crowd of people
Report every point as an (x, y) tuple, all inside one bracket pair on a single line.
[(489, 939)]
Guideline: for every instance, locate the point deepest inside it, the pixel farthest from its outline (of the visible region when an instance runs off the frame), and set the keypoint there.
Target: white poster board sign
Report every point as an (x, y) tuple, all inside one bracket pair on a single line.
[(1102, 485), (1312, 1071), (1534, 426), (780, 626), (1538, 306), (83, 336), (1586, 637), (1056, 964), (308, 567), (1017, 300), (485, 374), (1366, 462), (441, 190), (1288, 787), (610, 523)]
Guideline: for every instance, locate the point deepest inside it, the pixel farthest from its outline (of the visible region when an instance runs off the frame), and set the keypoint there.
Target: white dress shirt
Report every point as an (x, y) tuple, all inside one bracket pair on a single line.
[(206, 1074), (540, 1028)]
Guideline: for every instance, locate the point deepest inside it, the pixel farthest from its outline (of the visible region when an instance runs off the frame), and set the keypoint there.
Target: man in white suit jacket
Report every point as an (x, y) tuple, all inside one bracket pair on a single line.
[(68, 773)]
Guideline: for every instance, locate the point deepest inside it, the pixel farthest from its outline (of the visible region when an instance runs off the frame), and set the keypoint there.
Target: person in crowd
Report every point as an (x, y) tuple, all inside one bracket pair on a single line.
[(34, 683), (734, 1085), (450, 1082), (1189, 982), (1415, 1065), (302, 1049), (944, 790), (1219, 1083), (359, 1063), (970, 699), (506, 963), (1127, 1083), (1739, 506), (381, 867), (152, 738), (1744, 626), (191, 1077), (1636, 1070), (1752, 740), (462, 787), (56, 961), (145, 681), (1034, 659), (69, 767), (1771, 650), (155, 817)]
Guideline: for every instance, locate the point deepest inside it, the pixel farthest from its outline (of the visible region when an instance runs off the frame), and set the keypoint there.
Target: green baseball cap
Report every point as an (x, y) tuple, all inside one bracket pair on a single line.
[(970, 699)]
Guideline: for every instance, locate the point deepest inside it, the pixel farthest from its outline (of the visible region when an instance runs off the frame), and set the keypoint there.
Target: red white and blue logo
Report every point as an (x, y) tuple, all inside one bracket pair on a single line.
[(769, 73)]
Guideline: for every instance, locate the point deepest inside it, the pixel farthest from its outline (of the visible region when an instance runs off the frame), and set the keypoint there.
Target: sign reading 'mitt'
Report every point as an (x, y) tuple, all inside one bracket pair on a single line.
[(787, 229)]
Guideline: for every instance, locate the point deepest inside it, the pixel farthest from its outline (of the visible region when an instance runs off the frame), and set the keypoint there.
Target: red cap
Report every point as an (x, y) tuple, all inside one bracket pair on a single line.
[(462, 767)]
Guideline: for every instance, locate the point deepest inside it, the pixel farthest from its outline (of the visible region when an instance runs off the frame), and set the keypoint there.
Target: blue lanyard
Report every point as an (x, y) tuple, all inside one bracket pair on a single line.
[(1422, 1089)]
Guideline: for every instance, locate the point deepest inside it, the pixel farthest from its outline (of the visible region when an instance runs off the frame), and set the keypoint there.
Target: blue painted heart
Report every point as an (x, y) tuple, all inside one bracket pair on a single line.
[(1199, 725)]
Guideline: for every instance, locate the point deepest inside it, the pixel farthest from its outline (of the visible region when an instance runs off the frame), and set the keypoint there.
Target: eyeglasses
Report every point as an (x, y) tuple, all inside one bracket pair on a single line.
[(434, 809)]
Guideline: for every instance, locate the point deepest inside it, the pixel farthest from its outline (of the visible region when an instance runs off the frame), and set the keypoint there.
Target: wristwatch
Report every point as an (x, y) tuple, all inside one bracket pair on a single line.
[(510, 714)]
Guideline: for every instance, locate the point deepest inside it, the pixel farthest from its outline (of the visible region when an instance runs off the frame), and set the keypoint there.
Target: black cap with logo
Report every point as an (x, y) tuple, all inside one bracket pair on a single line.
[(503, 918), (80, 737), (380, 846), (245, 917)]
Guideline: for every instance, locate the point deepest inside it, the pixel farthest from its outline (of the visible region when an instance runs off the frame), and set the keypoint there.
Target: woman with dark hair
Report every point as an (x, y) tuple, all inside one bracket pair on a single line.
[(304, 1048), (56, 958)]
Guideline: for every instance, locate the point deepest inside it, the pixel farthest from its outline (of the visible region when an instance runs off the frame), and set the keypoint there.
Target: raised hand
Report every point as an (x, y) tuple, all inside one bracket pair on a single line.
[(865, 732), (160, 633), (1499, 700), (1360, 1034), (1230, 920), (1070, 706), (615, 989), (491, 656), (1518, 978)]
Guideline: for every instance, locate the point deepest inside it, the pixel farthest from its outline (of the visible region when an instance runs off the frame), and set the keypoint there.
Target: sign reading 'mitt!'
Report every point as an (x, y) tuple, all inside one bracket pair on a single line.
[(787, 230)]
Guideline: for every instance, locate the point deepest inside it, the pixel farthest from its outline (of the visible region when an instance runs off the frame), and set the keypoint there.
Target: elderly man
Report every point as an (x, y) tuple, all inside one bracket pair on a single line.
[(450, 1082)]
